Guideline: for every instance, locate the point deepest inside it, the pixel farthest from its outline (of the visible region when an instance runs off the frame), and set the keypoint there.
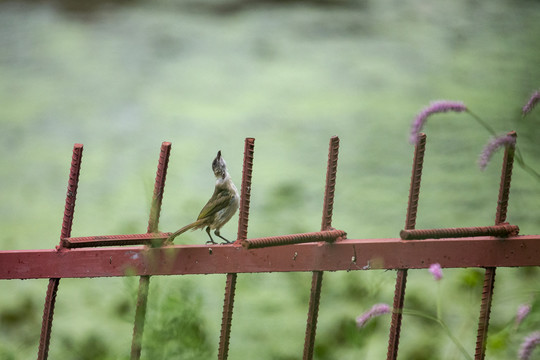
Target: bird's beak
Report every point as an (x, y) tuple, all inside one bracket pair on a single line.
[(219, 154)]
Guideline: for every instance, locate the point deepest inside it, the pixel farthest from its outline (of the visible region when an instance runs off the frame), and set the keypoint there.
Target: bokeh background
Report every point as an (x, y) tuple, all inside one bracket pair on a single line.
[(123, 76)]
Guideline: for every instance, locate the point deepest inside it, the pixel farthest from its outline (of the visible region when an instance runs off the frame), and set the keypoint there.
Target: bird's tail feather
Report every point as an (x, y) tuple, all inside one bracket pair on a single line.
[(184, 229)]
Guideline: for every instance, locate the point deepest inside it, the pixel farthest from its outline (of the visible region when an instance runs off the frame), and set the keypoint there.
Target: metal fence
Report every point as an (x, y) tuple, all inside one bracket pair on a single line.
[(148, 254)]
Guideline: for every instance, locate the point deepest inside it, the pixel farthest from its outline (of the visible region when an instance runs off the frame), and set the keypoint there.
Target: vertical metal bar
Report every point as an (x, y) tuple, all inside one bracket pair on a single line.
[(245, 190), (317, 276), (159, 187), (313, 313), (330, 187), (489, 276), (410, 223), (416, 177), (230, 285), (144, 281), (226, 319), (485, 311), (48, 312), (50, 297), (140, 316), (504, 187)]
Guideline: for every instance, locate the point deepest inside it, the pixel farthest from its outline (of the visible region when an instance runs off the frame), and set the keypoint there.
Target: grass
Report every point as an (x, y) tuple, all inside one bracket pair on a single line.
[(122, 79)]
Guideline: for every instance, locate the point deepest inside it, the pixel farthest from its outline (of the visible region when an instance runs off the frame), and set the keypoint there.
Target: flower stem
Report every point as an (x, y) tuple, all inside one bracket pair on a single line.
[(455, 340), (518, 155), (484, 124), (439, 307), (443, 325), (524, 166)]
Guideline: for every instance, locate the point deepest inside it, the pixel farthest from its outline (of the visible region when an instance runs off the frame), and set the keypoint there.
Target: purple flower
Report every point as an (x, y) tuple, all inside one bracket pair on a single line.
[(533, 100), (528, 345), (376, 310), (494, 145), (522, 312), (436, 271), (434, 108)]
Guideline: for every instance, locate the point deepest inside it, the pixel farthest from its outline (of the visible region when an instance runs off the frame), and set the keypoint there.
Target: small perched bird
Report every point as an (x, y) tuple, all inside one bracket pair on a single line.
[(221, 206)]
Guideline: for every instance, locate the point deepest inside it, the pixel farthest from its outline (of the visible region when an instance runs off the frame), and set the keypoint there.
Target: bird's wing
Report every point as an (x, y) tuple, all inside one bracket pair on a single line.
[(219, 200)]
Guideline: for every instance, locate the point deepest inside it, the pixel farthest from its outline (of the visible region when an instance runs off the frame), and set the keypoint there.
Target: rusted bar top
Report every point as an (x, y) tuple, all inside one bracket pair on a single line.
[(329, 235), (503, 230), (349, 254), (159, 239), (115, 240)]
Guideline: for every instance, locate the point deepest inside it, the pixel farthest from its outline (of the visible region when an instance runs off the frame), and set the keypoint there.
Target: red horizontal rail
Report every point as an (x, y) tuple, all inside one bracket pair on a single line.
[(202, 259)]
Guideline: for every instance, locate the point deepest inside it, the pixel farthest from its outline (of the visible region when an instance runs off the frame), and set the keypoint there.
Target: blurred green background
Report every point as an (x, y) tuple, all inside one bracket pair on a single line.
[(121, 77)]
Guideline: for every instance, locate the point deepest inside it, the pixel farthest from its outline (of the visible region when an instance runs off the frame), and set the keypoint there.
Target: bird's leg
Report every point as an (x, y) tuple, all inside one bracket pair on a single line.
[(208, 232), (218, 235)]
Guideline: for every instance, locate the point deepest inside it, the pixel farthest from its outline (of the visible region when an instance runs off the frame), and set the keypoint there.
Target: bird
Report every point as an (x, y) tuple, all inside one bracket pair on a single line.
[(220, 208)]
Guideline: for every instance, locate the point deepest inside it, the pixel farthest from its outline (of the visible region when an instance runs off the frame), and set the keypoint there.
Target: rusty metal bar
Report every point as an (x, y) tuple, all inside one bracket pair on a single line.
[(245, 189), (416, 177), (506, 178), (313, 313), (410, 223), (521, 250), (230, 284), (48, 312), (330, 185), (115, 240), (159, 238), (489, 276), (485, 310), (153, 221), (226, 320), (326, 224), (140, 315), (328, 236), (159, 187), (67, 222), (502, 230)]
